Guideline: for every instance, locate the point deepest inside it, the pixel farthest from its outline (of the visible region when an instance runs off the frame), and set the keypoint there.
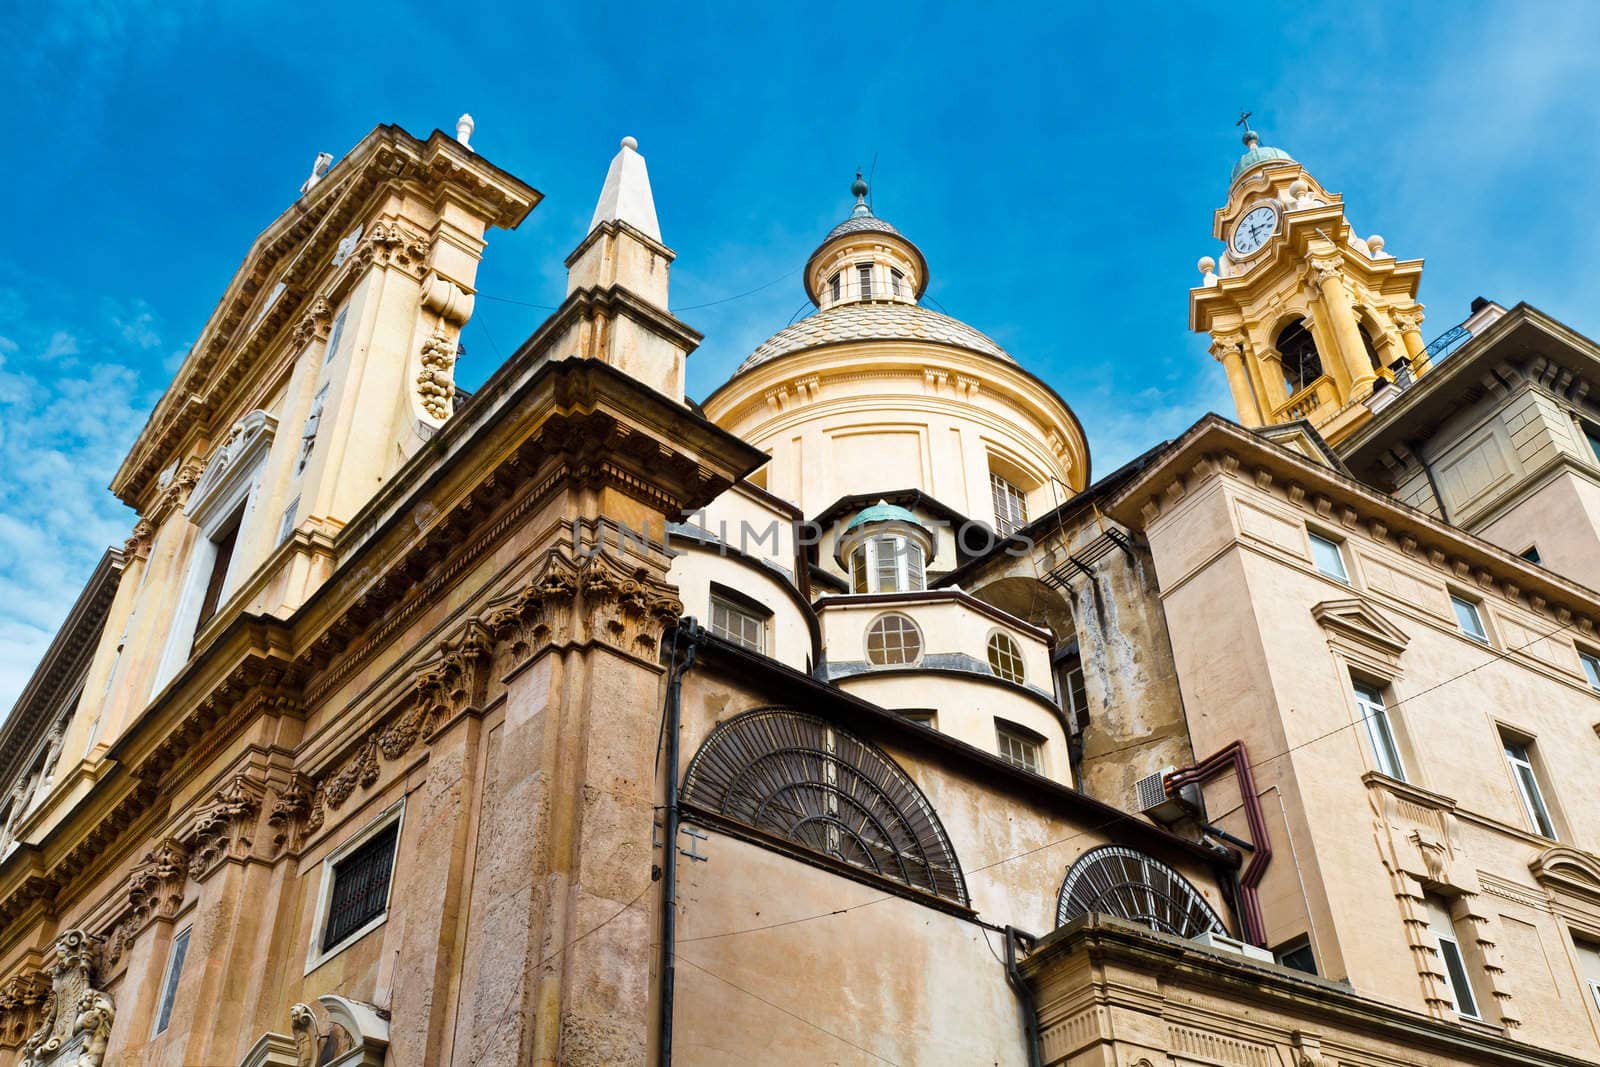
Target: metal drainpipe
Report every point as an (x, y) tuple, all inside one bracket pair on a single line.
[(1236, 757), (1433, 485), (1030, 1011), (685, 638)]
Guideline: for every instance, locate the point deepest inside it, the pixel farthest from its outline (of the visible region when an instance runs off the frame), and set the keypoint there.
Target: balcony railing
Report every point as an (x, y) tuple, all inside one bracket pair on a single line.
[(1302, 404)]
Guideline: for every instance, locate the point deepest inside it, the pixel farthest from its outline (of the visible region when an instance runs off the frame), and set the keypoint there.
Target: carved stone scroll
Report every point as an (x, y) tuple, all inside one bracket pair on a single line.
[(77, 1023)]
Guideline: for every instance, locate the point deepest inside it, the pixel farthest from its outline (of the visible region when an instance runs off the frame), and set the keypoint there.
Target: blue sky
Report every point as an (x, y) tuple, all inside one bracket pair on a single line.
[(1058, 165)]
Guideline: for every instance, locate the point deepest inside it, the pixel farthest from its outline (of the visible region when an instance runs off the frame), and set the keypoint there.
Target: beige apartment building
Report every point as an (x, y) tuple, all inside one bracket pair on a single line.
[(842, 717)]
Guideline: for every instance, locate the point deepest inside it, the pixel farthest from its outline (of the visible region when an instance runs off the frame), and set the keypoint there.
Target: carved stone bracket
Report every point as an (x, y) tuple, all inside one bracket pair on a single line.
[(78, 1017), (224, 828), (289, 813), (155, 888), (392, 244), (314, 324), (22, 999), (138, 544)]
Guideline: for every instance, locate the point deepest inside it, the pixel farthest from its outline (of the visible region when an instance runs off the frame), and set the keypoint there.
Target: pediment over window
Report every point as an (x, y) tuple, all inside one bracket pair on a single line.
[(1568, 872), (226, 479), (1362, 634), (1299, 437)]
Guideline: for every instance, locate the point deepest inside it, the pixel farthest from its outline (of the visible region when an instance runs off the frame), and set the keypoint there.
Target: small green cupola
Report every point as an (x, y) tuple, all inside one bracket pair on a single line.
[(885, 549), (1256, 155)]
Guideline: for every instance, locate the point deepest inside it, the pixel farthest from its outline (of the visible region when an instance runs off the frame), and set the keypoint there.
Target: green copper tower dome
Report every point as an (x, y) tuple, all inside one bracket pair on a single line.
[(1255, 155)]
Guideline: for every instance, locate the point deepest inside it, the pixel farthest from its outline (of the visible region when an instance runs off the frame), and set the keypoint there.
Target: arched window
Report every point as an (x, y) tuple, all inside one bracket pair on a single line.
[(1005, 657), (887, 564), (1297, 351), (1128, 884), (893, 639), (1372, 349), (807, 781)]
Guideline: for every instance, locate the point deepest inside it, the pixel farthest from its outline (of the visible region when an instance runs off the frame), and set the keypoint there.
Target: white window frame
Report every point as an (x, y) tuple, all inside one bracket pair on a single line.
[(230, 486), (170, 977), (1590, 664), (866, 640), (1007, 736), (1448, 944), (1010, 504), (729, 606), (909, 564), (394, 815), (1526, 779), (1473, 610), (1380, 730), (1334, 555)]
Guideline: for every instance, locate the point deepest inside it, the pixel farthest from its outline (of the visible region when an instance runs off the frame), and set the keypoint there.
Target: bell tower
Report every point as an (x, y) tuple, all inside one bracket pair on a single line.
[(1308, 320)]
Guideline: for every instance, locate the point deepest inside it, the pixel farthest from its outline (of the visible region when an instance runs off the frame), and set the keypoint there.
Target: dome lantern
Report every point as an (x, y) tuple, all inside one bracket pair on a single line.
[(865, 260)]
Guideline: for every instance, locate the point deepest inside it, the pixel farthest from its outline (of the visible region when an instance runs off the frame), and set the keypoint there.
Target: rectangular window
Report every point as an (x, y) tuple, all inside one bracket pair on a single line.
[(1010, 505), (1589, 966), (359, 896), (1454, 966), (1468, 618), (1296, 954), (1017, 748), (864, 274), (1519, 757), (1329, 558), (858, 570), (1591, 669), (286, 524), (921, 716), (896, 282), (1593, 437), (169, 984), (308, 433), (1369, 701), (887, 563), (335, 335), (1077, 696), (833, 286), (225, 541), (738, 624)]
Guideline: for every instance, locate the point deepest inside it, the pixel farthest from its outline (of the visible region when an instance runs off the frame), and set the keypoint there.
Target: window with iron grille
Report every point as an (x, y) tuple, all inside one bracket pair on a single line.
[(1010, 505), (1005, 657), (802, 779), (360, 891), (1128, 884)]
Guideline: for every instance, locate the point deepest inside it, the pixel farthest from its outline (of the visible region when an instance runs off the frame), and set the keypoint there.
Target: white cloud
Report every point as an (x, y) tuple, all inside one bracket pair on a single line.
[(65, 424)]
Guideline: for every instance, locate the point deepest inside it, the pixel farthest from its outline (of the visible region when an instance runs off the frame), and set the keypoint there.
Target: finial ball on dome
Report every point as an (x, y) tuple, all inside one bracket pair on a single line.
[(1206, 265), (858, 188), (631, 142), (1375, 243)]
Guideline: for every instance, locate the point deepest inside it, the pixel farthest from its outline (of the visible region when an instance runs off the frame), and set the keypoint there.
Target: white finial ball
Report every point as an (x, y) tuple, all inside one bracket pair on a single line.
[(631, 142), (1375, 243), (1299, 188), (1206, 265)]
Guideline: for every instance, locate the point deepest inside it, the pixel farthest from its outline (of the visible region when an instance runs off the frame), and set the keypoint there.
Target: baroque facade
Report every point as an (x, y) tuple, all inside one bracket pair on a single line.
[(843, 717)]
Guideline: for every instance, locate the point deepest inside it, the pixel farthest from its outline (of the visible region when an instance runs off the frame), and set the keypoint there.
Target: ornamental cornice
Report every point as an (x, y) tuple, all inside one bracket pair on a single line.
[(223, 829), (156, 886), (1453, 553)]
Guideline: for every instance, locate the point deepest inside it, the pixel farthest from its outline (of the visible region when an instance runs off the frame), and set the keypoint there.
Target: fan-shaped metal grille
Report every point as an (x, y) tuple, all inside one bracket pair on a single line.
[(803, 779), (1128, 884)]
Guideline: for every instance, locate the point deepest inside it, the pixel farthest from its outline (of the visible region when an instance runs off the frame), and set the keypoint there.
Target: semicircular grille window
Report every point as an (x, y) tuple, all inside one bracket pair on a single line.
[(805, 780), (1128, 884)]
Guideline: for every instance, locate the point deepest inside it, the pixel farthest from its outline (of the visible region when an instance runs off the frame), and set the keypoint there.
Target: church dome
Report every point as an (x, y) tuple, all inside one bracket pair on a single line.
[(860, 224), (1256, 154), (844, 323)]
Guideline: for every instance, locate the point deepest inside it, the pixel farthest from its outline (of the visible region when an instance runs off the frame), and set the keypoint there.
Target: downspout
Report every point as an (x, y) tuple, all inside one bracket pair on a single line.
[(1433, 485), (1236, 758), (685, 639), (1030, 1011)]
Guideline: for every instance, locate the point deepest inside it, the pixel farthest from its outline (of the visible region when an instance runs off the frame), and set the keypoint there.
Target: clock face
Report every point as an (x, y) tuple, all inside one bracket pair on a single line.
[(1254, 229)]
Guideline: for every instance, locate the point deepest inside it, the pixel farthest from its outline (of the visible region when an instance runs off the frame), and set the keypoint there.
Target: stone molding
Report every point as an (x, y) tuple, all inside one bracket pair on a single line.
[(228, 471), (22, 1000), (155, 888), (223, 829), (1362, 635), (77, 1016)]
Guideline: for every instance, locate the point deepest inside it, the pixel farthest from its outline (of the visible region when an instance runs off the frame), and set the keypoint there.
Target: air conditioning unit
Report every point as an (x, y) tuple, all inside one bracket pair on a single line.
[(1224, 943), (1151, 798)]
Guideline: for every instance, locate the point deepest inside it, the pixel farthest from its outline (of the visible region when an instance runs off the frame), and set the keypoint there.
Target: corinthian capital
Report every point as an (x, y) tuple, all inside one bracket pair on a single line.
[(1324, 269), (1407, 321), (1224, 345)]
